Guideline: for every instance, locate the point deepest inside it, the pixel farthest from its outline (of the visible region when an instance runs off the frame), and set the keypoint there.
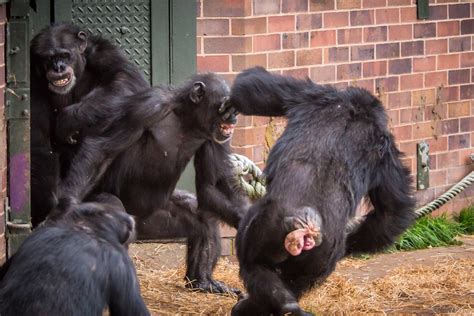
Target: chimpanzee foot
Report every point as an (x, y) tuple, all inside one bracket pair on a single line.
[(294, 309), (211, 286)]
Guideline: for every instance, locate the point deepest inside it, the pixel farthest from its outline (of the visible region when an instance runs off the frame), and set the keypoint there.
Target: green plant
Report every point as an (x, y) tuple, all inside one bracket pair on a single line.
[(466, 220), (429, 232)]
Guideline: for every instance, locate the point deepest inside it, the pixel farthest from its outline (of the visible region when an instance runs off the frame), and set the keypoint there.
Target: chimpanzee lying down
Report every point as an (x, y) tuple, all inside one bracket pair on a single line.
[(335, 150), (76, 263)]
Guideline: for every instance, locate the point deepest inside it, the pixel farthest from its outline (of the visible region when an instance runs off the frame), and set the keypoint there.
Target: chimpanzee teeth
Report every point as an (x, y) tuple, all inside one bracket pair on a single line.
[(61, 82)]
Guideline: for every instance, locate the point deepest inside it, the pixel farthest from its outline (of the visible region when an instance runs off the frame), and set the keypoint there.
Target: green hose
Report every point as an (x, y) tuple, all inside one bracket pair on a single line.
[(244, 168)]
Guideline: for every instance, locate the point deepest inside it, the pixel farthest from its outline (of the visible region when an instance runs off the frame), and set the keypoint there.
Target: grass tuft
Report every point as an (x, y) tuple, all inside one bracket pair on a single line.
[(466, 220)]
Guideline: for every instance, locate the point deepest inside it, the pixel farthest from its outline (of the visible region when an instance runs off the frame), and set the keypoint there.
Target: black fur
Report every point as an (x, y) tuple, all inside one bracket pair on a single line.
[(335, 150), (75, 263), (134, 142)]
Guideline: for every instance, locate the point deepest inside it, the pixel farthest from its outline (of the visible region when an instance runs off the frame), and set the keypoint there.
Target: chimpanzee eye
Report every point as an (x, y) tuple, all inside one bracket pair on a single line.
[(64, 55)]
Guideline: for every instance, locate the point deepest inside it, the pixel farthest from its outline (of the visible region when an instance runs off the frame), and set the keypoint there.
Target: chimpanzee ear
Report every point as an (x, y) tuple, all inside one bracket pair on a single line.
[(83, 41), (197, 92)]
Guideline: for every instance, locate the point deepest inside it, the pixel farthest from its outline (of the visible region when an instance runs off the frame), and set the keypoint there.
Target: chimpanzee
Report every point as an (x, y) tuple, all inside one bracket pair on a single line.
[(70, 69), (335, 150), (140, 161), (75, 263)]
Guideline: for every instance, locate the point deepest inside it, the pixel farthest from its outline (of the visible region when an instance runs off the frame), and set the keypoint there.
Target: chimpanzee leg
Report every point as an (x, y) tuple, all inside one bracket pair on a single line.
[(182, 219), (267, 293)]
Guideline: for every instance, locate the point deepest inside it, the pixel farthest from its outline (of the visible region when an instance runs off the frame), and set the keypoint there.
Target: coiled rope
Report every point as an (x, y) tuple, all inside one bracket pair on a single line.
[(252, 181)]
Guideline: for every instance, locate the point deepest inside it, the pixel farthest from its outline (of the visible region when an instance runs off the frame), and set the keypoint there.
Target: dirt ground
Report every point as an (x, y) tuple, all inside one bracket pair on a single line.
[(430, 281)]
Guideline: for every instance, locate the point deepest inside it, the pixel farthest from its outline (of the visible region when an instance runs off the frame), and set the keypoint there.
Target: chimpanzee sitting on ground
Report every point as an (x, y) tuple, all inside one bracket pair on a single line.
[(335, 150), (134, 142), (75, 263)]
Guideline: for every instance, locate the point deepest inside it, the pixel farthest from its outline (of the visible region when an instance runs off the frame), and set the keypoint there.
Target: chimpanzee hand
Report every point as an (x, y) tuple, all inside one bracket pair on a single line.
[(227, 110), (68, 126)]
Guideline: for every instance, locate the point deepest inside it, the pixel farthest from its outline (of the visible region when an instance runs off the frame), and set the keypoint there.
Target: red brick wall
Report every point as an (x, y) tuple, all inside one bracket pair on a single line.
[(3, 135), (422, 70)]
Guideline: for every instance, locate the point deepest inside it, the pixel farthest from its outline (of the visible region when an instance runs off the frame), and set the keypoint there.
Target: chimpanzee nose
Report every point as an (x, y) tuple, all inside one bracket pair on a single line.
[(59, 67)]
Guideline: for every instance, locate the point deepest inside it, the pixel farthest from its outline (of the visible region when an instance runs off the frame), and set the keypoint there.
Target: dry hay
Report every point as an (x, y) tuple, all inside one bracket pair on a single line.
[(446, 287)]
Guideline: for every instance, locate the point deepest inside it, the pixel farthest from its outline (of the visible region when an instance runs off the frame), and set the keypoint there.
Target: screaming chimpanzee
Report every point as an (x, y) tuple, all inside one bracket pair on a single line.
[(75, 263), (335, 150), (142, 164), (70, 69), (134, 142)]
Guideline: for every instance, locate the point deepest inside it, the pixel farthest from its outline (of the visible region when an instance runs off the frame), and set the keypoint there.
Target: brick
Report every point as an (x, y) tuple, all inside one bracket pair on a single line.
[(367, 84), (243, 121), (259, 153), (467, 26), (348, 4), (249, 136), (400, 32), (230, 45), (455, 175), (459, 11), (263, 7), (309, 21), (402, 133), (398, 2), (387, 16), (399, 100), (323, 74), (301, 73), (294, 6), (349, 71), (433, 79), (241, 62), (3, 13), (373, 3), (459, 76), (410, 116), (375, 34), (438, 12), (449, 126), (323, 38), (295, 40), (249, 26), (424, 30), (467, 60), (336, 54), (459, 141), (424, 130), (439, 144), (335, 19), (467, 91), (283, 59), (412, 48), (212, 27), (408, 15), (362, 17), (467, 124), (365, 52), (282, 23), (447, 160), (390, 50), (322, 5), (266, 42), (438, 46), (374, 69), (309, 57), (448, 61), (214, 63), (410, 82), (423, 64), (423, 97), (448, 94), (448, 28), (349, 36), (438, 177), (222, 8), (387, 84), (393, 117), (457, 109), (459, 44)]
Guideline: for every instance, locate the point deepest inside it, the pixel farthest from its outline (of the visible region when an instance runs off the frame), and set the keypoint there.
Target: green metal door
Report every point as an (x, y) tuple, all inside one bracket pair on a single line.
[(158, 35)]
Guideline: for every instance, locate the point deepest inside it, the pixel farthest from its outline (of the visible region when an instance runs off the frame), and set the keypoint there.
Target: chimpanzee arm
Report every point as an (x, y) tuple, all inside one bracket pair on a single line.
[(216, 191), (393, 206), (124, 292), (257, 92)]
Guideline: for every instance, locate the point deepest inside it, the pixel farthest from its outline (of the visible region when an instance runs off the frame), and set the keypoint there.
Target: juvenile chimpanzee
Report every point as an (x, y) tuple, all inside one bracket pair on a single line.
[(75, 263), (132, 145), (335, 150), (141, 164)]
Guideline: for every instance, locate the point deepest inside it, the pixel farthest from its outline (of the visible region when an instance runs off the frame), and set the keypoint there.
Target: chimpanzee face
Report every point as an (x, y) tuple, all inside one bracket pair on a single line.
[(58, 57), (210, 94)]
